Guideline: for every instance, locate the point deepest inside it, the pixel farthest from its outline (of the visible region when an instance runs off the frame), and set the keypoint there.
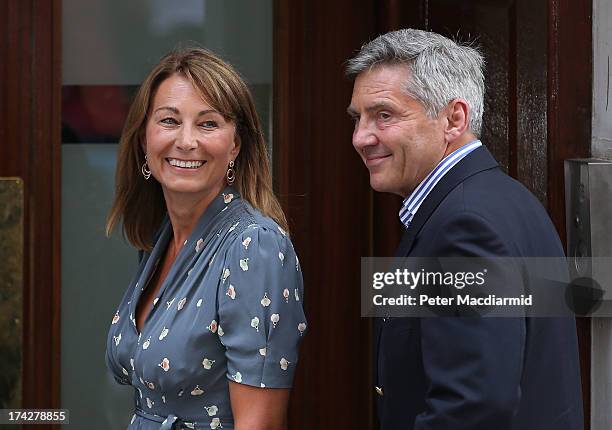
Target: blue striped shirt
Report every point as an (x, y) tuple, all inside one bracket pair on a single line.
[(412, 203)]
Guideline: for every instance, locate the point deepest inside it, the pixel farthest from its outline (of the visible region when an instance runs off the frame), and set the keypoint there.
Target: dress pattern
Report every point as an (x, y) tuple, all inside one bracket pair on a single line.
[(230, 308)]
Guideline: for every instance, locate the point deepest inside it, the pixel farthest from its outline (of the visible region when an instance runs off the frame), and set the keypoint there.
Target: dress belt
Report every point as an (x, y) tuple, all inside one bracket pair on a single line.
[(172, 422), (167, 423)]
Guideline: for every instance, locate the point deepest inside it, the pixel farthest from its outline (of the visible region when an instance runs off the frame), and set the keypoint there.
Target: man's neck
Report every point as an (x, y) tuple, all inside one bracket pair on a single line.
[(462, 140)]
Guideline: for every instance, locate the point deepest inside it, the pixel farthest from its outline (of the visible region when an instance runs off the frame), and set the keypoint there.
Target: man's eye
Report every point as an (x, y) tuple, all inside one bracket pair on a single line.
[(384, 115), (169, 121)]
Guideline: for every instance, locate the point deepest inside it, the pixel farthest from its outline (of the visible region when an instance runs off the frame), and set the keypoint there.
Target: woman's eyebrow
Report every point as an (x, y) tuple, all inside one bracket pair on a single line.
[(170, 108), (204, 112), (176, 111)]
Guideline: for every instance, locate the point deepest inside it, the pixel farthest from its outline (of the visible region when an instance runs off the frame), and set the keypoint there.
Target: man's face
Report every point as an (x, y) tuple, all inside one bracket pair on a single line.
[(395, 138)]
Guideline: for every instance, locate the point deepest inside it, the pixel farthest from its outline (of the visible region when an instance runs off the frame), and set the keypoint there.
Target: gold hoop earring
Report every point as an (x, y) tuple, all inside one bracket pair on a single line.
[(230, 176), (145, 169)]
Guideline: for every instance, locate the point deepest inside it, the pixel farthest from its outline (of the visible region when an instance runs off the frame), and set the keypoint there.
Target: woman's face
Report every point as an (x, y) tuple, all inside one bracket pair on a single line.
[(188, 143)]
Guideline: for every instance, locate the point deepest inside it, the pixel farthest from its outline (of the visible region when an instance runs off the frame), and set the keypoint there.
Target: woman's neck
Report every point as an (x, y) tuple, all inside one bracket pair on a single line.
[(184, 212)]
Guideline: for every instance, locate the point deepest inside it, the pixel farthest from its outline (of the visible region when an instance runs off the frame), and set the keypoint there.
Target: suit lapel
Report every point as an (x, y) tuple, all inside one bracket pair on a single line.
[(406, 243), (476, 161)]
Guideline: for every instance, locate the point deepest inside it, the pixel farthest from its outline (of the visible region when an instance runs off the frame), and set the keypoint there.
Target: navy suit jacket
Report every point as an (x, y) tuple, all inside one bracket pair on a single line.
[(450, 373)]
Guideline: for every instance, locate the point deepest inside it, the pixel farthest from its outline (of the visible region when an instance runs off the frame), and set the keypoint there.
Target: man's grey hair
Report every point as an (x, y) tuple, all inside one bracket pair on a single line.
[(440, 69)]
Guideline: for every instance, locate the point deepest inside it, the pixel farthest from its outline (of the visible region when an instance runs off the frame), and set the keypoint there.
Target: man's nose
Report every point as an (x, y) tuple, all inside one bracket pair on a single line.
[(187, 139), (363, 136)]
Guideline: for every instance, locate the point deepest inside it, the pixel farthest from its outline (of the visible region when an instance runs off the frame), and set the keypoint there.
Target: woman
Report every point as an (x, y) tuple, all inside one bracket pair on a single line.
[(208, 330)]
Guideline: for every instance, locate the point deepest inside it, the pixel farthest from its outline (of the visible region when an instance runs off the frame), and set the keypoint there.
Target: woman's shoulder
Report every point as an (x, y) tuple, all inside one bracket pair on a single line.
[(253, 221), (258, 239)]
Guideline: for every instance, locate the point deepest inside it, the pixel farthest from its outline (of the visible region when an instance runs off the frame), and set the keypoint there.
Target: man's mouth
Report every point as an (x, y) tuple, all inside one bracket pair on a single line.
[(375, 158), (185, 164)]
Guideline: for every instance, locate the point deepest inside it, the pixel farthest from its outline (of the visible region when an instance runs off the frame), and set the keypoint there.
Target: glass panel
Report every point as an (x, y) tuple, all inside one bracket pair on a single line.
[(11, 282), (95, 271), (114, 42), (108, 47)]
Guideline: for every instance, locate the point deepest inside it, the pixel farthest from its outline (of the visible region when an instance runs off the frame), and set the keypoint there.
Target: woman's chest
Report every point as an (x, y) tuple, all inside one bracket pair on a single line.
[(180, 340)]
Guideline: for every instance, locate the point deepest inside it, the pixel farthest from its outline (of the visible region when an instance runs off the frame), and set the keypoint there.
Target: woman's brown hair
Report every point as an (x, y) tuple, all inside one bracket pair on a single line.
[(139, 203)]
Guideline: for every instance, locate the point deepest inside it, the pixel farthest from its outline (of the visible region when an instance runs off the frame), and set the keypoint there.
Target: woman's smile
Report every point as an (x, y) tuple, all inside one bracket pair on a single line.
[(185, 164)]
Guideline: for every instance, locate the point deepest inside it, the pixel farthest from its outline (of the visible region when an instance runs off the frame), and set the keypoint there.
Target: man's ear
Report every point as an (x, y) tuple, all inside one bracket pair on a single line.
[(458, 119)]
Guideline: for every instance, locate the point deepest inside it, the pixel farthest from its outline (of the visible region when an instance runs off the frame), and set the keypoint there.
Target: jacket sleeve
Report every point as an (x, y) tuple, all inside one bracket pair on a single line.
[(473, 365)]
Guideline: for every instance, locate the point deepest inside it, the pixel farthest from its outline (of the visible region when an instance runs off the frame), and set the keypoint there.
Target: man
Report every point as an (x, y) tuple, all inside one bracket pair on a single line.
[(417, 104)]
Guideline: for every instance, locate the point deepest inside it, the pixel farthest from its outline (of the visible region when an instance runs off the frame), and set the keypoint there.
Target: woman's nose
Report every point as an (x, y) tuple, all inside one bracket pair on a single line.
[(187, 139)]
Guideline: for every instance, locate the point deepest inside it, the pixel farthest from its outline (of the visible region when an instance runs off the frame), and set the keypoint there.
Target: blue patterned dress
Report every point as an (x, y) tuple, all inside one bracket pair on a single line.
[(230, 308)]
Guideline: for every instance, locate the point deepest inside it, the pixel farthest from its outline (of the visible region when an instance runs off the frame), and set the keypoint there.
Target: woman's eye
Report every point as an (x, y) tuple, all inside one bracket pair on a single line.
[(209, 124), (169, 121)]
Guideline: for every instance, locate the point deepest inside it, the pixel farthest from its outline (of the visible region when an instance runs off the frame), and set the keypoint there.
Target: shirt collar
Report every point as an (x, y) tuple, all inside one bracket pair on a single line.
[(411, 204)]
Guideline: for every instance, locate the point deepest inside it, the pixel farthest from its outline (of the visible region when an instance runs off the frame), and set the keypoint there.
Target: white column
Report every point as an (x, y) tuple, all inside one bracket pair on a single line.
[(601, 147)]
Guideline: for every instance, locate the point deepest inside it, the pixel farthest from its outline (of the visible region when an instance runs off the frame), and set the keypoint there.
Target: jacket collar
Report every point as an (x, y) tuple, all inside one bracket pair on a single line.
[(477, 161)]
